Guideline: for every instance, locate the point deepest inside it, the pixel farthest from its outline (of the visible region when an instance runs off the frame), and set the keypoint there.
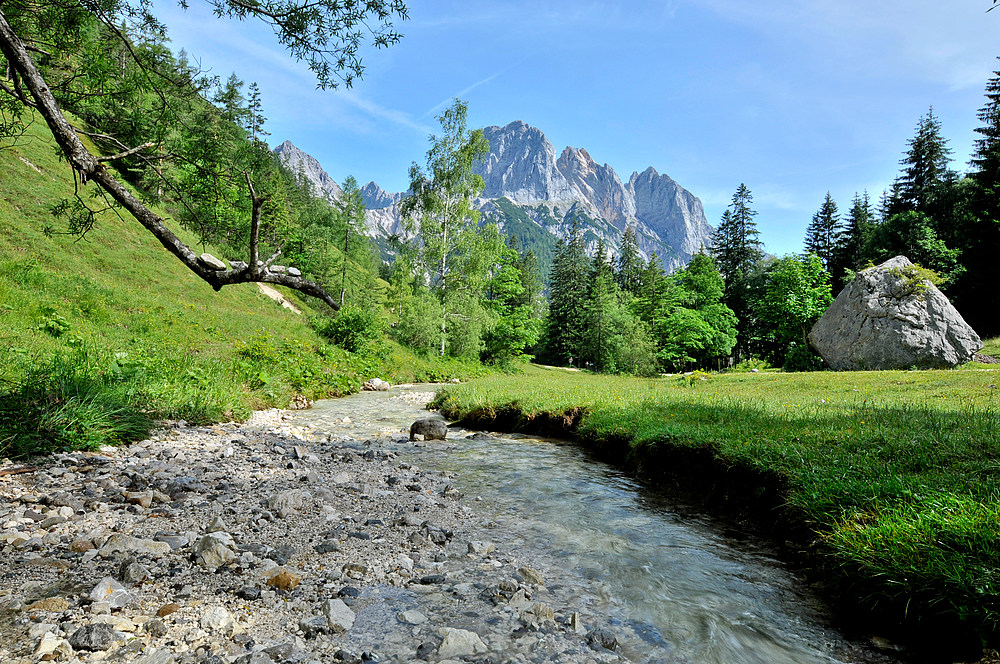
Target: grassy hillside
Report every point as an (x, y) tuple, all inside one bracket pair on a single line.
[(895, 473), (103, 333)]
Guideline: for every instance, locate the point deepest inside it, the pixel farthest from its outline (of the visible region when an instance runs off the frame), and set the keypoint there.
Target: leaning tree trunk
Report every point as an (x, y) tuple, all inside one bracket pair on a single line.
[(89, 167)]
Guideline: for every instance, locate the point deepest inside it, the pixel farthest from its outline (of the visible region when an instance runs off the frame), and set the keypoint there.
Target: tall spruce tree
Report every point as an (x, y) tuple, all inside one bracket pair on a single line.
[(976, 294), (925, 167), (629, 272), (736, 248), (568, 292), (824, 232), (849, 253)]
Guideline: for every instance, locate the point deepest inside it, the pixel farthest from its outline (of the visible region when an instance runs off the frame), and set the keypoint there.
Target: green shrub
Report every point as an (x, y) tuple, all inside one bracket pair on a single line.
[(802, 358), (352, 328)]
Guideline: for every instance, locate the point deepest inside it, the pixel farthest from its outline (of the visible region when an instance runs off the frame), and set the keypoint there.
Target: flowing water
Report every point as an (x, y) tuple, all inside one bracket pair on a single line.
[(672, 584)]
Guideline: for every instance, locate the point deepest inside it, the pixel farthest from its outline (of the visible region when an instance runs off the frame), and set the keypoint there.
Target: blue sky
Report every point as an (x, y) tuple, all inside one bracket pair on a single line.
[(793, 97)]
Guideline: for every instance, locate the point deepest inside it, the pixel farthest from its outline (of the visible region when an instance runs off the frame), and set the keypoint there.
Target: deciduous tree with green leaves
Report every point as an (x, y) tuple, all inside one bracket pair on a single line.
[(796, 295), (440, 211)]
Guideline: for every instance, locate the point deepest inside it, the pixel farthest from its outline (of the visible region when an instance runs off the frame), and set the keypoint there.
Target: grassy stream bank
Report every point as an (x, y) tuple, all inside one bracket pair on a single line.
[(889, 479)]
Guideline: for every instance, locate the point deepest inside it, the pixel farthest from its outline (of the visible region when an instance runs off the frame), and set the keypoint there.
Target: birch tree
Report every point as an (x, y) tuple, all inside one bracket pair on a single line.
[(440, 210)]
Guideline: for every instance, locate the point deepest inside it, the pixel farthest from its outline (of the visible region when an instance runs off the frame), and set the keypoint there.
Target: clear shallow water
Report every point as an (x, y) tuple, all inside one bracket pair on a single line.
[(672, 585)]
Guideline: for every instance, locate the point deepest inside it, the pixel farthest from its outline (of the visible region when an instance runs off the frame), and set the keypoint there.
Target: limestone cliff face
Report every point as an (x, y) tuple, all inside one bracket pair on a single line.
[(671, 211), (297, 160), (523, 167), (544, 189)]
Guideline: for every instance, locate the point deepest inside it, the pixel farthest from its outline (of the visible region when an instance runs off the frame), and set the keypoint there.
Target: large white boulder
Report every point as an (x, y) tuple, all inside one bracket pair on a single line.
[(891, 318)]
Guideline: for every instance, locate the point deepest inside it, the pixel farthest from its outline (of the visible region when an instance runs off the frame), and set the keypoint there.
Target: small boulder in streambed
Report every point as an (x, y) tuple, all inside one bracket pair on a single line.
[(430, 429)]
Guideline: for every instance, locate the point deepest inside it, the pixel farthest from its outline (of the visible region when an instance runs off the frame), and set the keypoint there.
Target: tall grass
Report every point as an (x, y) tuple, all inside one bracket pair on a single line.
[(60, 406)]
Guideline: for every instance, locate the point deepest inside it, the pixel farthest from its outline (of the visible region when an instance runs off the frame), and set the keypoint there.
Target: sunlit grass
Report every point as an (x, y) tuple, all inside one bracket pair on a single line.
[(118, 315), (898, 472)]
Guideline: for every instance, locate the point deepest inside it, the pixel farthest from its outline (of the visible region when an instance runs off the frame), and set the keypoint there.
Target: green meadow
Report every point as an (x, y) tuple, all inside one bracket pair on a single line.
[(896, 474), (105, 334)]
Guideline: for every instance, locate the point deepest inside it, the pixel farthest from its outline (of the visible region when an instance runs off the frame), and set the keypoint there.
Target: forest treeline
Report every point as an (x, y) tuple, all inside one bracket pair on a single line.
[(196, 145)]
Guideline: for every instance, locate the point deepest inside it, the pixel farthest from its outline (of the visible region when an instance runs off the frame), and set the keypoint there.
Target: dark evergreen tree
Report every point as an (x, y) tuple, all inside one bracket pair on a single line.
[(568, 291), (824, 232), (651, 289), (736, 249), (925, 168), (629, 273), (857, 230), (975, 293)]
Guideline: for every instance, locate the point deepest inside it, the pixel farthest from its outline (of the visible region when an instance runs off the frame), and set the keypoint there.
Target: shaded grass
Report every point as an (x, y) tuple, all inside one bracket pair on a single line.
[(897, 474)]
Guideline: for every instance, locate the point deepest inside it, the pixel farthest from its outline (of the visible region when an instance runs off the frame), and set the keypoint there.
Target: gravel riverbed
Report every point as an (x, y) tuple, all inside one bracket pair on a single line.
[(260, 543)]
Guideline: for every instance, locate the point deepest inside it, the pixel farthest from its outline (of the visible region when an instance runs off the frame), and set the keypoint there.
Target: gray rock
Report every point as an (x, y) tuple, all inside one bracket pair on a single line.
[(288, 502), (888, 318), (430, 429), (211, 262), (157, 656), (217, 525), (459, 643), (218, 620), (602, 638), (412, 617), (93, 637), (213, 550), (174, 540), (339, 617), (531, 575), (120, 543), (131, 571), (294, 272), (314, 625), (481, 548), (376, 385), (112, 593), (155, 628)]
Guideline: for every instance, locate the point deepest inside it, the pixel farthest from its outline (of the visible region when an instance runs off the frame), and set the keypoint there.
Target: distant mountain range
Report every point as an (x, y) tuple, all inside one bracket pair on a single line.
[(535, 195)]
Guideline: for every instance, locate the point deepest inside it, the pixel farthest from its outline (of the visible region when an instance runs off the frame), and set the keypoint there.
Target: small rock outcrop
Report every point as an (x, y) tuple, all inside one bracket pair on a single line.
[(889, 317)]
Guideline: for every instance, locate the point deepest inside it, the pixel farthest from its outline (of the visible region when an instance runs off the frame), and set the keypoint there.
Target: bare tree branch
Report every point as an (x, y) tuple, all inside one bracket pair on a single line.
[(127, 153)]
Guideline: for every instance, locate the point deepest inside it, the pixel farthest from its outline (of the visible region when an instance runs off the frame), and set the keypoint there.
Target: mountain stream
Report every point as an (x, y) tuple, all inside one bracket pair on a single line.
[(671, 583)]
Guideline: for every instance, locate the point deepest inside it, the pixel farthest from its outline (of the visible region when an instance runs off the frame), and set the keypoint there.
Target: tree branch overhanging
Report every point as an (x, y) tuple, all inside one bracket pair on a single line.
[(90, 168)]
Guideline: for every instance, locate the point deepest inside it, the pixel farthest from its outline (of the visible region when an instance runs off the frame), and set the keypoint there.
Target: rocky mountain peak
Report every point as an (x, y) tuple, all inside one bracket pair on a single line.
[(542, 188), (377, 198), (300, 161)]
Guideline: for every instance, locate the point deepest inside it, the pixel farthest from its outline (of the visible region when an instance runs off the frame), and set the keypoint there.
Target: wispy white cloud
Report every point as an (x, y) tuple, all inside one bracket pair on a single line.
[(462, 93), (398, 117)]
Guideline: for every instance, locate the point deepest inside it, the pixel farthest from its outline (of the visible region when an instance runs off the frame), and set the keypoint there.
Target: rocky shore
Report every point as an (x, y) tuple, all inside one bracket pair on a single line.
[(261, 543)]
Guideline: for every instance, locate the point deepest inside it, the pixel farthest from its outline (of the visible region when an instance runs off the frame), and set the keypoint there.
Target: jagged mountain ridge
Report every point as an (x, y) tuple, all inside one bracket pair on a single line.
[(535, 194)]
